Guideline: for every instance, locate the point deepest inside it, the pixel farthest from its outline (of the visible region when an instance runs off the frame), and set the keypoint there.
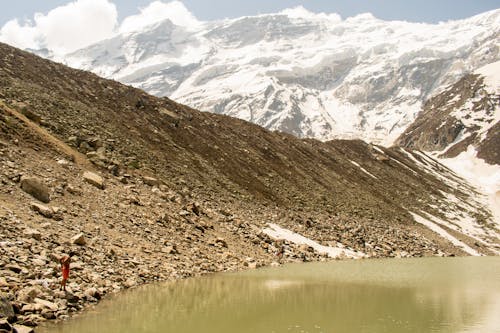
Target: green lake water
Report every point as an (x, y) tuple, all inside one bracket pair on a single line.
[(393, 295)]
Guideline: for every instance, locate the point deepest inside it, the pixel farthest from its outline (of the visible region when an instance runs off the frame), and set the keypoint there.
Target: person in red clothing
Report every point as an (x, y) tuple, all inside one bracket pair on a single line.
[(65, 261)]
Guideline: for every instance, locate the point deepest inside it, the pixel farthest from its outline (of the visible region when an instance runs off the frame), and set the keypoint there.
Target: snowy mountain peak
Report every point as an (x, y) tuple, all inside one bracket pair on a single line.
[(312, 75)]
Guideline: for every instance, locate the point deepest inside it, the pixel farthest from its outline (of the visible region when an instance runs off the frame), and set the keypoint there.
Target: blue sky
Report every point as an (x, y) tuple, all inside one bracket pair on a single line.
[(414, 10)]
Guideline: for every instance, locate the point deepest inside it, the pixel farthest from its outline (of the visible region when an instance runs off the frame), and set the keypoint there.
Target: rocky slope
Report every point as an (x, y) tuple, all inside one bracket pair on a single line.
[(465, 114), (145, 189), (311, 75)]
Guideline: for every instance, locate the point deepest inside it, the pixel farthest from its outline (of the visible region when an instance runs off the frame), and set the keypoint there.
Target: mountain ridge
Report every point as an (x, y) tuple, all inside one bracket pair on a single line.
[(315, 76)]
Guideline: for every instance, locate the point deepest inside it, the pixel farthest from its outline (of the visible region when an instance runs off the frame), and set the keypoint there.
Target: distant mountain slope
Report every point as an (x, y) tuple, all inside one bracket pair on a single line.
[(465, 114), (305, 74)]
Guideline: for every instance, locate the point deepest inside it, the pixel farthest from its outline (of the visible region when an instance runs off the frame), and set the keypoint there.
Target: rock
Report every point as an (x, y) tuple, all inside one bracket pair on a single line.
[(6, 309), (23, 329), (151, 181), (36, 188), (73, 190), (33, 233), (31, 307), (221, 241), (47, 304), (13, 267), (252, 265), (130, 283), (5, 326), (195, 208), (27, 295), (92, 292), (78, 239), (305, 248), (84, 147), (42, 209), (94, 179), (170, 249), (30, 320), (64, 163)]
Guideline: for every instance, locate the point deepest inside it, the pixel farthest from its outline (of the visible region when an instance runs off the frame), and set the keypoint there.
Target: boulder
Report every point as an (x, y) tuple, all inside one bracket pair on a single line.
[(92, 292), (78, 239), (23, 329), (94, 179), (28, 294), (42, 209), (36, 188), (47, 304)]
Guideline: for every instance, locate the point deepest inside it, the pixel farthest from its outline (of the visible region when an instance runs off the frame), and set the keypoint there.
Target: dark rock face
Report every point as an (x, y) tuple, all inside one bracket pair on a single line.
[(455, 119), (489, 150)]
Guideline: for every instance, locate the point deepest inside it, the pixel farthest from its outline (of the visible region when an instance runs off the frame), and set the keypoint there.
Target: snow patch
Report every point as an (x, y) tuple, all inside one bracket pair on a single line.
[(363, 169), (443, 233), (484, 176), (276, 232), (491, 75)]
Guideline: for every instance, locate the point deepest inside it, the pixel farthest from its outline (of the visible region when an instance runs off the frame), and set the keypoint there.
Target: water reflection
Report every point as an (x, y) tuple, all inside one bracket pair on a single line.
[(418, 295)]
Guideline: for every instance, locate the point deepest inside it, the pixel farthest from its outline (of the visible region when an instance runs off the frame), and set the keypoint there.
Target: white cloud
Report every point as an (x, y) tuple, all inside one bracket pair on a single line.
[(300, 12), (24, 37), (84, 22), (64, 29), (157, 11)]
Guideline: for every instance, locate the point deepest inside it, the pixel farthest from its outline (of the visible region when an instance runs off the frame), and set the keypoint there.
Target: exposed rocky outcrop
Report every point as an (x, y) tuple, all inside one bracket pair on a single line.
[(461, 115)]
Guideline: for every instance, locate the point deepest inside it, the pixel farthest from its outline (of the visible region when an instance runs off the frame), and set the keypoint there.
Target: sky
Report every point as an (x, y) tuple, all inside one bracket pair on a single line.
[(53, 24)]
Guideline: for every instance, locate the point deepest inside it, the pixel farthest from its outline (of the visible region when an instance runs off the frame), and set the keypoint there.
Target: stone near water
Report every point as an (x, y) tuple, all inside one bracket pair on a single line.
[(46, 304), (23, 329), (92, 292), (36, 188)]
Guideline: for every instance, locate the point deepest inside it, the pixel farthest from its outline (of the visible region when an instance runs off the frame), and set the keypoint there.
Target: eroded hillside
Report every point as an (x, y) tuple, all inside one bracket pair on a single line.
[(175, 192)]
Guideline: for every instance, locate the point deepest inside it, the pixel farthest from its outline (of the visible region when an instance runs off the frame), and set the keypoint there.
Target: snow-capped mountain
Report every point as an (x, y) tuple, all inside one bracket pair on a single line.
[(312, 75)]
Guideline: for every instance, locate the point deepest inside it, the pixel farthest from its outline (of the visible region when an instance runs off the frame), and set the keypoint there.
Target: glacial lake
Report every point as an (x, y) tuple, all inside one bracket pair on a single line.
[(392, 295)]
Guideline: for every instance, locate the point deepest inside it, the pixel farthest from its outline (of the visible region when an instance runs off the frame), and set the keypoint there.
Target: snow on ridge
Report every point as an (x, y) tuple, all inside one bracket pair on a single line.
[(309, 74), (491, 73), (443, 233), (277, 232)]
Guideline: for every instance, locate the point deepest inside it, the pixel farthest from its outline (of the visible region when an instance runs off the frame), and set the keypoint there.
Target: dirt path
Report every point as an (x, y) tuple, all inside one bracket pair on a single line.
[(78, 157)]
